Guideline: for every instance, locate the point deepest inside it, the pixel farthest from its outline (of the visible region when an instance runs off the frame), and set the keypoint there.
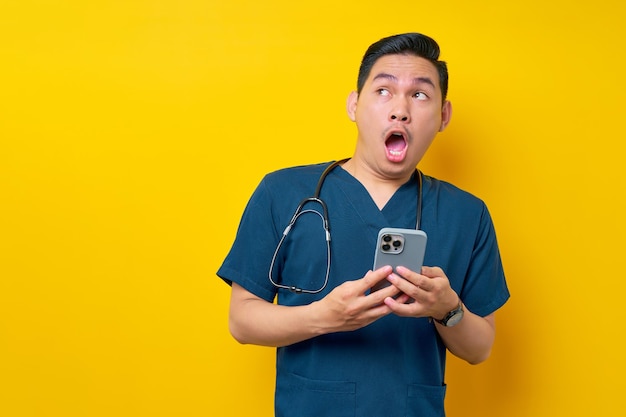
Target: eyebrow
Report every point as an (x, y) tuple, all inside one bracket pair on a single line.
[(417, 80)]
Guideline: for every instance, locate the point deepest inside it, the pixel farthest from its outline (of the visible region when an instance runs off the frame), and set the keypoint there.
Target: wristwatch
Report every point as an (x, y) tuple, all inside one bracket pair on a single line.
[(453, 317)]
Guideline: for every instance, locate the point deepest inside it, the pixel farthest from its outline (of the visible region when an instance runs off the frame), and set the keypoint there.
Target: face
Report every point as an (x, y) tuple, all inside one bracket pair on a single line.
[(398, 114)]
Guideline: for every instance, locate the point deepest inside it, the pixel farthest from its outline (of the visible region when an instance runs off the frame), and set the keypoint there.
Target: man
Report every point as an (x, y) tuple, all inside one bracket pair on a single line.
[(342, 348)]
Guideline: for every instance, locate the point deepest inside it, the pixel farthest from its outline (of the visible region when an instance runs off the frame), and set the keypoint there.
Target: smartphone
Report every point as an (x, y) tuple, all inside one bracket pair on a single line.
[(396, 247)]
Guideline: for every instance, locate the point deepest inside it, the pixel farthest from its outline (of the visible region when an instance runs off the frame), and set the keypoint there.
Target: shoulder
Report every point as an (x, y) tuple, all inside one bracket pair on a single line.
[(295, 177), (448, 193), (288, 184), (300, 171)]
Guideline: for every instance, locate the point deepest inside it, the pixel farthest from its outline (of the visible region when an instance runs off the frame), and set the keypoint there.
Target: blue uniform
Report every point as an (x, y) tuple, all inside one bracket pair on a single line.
[(395, 366)]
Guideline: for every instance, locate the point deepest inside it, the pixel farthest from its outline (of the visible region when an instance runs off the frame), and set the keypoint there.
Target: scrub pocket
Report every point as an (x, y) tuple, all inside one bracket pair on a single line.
[(304, 397), (425, 400)]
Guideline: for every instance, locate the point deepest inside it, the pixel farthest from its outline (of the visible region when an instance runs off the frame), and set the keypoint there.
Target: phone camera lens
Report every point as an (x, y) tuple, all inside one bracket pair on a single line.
[(386, 247), (396, 243), (387, 238)]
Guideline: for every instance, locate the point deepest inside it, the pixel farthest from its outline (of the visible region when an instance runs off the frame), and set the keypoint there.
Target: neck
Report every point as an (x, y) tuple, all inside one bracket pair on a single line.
[(379, 187)]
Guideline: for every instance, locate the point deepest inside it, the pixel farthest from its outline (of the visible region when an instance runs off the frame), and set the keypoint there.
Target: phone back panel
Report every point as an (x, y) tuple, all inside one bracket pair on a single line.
[(404, 247)]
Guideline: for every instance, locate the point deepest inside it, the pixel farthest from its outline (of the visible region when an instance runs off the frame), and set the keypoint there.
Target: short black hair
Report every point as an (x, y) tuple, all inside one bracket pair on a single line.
[(407, 43)]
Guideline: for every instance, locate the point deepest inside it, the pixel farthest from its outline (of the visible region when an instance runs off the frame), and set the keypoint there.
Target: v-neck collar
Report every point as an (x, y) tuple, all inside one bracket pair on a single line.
[(399, 211)]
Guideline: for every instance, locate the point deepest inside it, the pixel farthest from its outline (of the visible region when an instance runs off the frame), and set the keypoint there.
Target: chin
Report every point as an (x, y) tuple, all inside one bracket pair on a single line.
[(398, 170)]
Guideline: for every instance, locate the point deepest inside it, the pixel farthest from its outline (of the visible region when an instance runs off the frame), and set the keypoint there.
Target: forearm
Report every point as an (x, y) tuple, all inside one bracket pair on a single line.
[(471, 339), (346, 308), (255, 321)]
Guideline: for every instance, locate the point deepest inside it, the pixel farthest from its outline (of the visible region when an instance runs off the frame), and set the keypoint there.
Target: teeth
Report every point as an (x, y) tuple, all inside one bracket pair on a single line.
[(395, 153)]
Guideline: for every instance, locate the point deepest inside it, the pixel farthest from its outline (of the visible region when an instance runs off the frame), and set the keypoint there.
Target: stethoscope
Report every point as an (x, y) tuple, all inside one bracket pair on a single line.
[(325, 224)]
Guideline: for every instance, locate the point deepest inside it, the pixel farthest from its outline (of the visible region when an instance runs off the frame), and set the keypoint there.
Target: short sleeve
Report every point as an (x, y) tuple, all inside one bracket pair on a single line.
[(249, 259), (485, 289)]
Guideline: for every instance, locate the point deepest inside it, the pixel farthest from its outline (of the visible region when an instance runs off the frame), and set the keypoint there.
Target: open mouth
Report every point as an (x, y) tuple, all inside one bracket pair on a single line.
[(396, 145)]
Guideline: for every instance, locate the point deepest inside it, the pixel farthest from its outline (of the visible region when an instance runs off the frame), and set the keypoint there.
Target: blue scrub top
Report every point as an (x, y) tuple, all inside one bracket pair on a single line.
[(396, 365)]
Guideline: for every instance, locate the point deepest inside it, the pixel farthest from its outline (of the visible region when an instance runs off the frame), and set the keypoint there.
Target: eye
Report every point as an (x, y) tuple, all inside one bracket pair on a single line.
[(383, 92), (420, 95)]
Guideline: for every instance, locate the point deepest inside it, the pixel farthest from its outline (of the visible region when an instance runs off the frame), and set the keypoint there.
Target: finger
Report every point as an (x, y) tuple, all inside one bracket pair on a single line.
[(378, 311), (420, 291), (402, 308), (377, 297), (425, 280), (408, 274), (410, 281), (403, 299), (432, 271), (374, 277)]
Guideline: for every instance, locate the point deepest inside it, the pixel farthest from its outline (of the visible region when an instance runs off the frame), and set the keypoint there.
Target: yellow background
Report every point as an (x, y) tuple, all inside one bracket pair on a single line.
[(133, 132)]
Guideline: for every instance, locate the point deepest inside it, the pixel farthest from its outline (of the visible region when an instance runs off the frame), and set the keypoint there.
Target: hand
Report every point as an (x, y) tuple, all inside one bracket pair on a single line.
[(347, 307), (423, 295)]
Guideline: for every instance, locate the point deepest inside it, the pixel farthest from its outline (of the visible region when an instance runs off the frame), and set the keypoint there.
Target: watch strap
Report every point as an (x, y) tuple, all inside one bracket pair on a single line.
[(456, 313)]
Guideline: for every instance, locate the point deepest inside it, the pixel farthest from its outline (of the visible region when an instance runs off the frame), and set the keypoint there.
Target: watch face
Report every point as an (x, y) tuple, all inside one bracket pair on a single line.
[(455, 319)]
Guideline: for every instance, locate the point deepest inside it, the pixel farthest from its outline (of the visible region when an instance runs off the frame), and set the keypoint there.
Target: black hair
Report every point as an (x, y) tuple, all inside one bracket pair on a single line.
[(406, 43)]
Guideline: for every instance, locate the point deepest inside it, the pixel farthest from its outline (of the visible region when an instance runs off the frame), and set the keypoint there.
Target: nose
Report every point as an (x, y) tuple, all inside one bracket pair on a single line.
[(399, 116), (399, 112)]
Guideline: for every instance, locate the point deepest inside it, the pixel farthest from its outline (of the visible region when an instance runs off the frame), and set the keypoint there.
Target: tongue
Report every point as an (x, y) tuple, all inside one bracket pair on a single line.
[(395, 143)]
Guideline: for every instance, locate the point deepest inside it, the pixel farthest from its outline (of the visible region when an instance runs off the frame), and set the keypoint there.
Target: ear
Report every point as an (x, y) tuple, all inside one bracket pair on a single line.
[(446, 115), (351, 105)]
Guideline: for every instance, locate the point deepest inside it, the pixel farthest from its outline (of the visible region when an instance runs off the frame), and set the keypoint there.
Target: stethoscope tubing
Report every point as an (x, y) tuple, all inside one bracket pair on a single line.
[(326, 225)]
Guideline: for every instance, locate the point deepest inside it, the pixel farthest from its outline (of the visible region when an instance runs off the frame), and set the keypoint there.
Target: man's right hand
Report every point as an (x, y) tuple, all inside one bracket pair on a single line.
[(349, 306)]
